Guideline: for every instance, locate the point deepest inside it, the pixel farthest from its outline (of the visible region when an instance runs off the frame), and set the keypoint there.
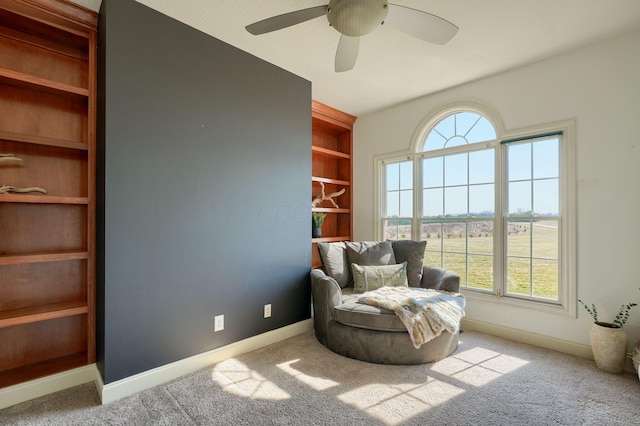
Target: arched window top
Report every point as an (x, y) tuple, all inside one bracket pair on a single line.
[(459, 128)]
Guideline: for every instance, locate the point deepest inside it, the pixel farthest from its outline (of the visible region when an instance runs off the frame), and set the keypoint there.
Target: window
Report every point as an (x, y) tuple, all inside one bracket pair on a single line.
[(399, 201), (458, 197), (495, 208), (533, 217)]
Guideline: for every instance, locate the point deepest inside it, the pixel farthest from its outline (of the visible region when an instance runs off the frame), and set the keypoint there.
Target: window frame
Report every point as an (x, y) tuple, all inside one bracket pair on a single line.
[(380, 194), (567, 291)]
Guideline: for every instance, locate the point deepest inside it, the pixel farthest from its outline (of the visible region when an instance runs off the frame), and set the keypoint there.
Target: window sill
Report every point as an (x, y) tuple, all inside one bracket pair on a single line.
[(549, 308)]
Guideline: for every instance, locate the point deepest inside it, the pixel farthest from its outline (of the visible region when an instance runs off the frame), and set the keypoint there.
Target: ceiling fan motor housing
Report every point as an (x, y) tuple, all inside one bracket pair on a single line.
[(355, 18)]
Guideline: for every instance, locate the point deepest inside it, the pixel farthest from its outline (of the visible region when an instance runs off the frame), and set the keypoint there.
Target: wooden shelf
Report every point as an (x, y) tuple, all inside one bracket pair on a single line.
[(330, 152), (17, 259), (42, 199), (41, 313), (330, 239), (330, 210), (332, 181), (41, 140), (41, 369), (31, 82)]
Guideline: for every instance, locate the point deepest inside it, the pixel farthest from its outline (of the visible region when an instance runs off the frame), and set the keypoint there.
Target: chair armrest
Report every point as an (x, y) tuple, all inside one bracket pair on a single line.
[(326, 295), (440, 279), (326, 291)]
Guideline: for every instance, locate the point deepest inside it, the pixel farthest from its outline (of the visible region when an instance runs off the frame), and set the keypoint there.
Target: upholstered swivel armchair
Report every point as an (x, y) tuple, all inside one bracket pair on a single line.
[(365, 332)]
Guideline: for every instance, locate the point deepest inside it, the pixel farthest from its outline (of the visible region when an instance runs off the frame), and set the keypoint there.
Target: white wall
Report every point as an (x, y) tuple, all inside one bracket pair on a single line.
[(599, 87)]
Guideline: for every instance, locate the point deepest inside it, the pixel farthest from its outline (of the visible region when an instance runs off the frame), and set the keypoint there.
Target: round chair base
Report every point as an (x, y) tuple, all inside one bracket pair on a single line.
[(386, 347)]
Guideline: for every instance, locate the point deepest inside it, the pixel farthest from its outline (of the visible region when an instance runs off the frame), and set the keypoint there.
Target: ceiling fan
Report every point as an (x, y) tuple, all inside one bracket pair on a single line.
[(355, 18)]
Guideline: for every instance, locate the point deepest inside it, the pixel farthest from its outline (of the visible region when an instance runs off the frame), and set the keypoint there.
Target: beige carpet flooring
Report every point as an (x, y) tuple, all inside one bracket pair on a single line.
[(487, 381)]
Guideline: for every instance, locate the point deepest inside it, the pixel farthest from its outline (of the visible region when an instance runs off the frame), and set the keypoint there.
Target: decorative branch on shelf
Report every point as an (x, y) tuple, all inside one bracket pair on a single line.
[(329, 197), (9, 159), (5, 189)]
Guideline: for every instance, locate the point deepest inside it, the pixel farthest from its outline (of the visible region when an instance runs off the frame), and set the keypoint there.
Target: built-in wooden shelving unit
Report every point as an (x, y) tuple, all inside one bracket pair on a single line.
[(47, 246), (331, 150)]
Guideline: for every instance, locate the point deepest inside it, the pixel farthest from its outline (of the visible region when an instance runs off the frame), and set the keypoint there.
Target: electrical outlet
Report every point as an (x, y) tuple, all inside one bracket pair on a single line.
[(218, 323), (267, 311)]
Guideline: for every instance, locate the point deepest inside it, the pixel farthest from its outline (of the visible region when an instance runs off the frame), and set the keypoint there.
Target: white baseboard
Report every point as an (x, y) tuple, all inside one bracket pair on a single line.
[(535, 339), (157, 376), (22, 392)]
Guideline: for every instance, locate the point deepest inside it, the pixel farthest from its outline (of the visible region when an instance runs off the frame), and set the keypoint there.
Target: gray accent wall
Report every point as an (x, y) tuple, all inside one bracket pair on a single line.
[(204, 167)]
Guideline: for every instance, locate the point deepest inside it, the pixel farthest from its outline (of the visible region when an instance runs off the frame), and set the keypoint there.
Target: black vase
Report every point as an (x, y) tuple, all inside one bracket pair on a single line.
[(316, 232)]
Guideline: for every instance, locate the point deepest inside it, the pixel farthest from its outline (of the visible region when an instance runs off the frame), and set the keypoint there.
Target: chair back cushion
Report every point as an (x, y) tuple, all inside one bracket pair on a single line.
[(337, 258), (370, 253), (334, 259), (411, 252)]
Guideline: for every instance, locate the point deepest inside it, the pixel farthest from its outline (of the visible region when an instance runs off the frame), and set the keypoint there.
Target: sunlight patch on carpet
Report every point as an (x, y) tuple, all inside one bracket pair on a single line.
[(400, 402), (476, 355), (397, 410), (504, 364), (478, 366), (236, 378), (317, 383), (477, 376), (450, 366), (436, 392)]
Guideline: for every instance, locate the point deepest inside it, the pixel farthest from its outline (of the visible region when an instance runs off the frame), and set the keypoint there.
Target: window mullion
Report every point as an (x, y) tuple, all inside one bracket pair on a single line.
[(381, 200), (499, 225), (466, 228), (417, 198), (531, 228)]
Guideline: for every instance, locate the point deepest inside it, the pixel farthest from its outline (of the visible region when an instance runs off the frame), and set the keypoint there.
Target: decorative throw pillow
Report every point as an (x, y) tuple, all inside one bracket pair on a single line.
[(372, 277), (336, 265), (371, 253), (411, 252)]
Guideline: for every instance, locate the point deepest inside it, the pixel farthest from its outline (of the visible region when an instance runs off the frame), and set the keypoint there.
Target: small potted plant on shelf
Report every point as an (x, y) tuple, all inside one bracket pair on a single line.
[(317, 219), (608, 339)]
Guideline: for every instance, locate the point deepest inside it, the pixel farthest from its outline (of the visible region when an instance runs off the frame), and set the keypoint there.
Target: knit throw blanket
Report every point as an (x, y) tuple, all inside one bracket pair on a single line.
[(426, 313)]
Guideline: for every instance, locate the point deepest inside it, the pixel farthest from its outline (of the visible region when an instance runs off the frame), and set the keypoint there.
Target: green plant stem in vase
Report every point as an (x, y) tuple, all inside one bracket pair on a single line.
[(620, 319)]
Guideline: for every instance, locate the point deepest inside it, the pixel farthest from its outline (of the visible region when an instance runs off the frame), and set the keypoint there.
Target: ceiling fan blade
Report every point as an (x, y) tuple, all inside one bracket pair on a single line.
[(347, 53), (285, 20), (419, 24)]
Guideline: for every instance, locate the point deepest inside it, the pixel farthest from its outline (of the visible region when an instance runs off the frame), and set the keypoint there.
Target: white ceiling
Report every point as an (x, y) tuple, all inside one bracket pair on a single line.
[(495, 35)]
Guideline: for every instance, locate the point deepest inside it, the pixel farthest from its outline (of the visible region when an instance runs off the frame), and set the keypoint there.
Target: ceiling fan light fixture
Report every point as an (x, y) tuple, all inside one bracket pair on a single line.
[(355, 18)]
